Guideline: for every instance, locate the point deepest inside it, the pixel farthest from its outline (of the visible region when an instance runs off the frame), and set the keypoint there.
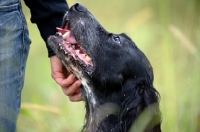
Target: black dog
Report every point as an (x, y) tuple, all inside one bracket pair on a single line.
[(116, 76)]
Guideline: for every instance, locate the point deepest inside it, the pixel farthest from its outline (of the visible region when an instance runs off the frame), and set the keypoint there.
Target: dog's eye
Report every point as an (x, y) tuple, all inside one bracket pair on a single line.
[(116, 39)]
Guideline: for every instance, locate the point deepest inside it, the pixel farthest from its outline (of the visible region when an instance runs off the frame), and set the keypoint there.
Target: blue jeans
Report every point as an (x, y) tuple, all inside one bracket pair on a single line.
[(14, 48)]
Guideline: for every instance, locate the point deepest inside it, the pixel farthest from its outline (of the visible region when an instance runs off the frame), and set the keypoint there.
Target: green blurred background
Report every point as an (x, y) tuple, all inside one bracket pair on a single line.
[(167, 31)]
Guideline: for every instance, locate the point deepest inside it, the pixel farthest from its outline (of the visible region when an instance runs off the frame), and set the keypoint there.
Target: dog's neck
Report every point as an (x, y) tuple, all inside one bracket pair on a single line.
[(88, 87), (117, 113), (109, 114)]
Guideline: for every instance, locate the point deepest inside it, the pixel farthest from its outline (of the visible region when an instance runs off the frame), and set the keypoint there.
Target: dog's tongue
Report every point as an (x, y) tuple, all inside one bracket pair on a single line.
[(67, 35), (70, 44)]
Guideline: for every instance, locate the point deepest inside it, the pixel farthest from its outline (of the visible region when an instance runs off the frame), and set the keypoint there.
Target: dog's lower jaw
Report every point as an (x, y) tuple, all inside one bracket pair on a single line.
[(87, 86), (88, 97), (79, 73)]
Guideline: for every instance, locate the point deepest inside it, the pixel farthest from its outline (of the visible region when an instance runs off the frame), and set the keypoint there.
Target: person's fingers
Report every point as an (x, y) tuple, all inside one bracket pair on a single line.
[(72, 89), (68, 81), (76, 97), (57, 70), (59, 76)]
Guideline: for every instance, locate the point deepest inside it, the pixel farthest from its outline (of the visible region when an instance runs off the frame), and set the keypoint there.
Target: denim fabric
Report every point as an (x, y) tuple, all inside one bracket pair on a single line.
[(14, 48)]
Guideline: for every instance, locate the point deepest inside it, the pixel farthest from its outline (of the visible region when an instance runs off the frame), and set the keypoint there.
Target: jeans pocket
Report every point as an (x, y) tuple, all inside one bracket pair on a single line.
[(13, 29)]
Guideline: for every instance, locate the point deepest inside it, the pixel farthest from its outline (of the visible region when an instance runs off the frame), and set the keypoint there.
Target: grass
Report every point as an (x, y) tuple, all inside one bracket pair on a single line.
[(168, 32)]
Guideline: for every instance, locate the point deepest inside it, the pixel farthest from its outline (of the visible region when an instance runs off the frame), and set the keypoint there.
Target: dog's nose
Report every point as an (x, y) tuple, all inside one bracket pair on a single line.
[(79, 7)]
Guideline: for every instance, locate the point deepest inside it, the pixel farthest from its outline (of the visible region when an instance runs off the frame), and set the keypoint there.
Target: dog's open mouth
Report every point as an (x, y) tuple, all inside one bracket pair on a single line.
[(73, 49)]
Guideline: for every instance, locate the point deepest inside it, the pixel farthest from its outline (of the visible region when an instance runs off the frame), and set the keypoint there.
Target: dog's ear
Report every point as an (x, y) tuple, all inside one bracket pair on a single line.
[(140, 97), (149, 105)]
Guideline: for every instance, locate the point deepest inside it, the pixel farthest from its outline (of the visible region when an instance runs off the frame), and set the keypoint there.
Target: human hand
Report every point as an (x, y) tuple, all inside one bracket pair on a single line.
[(68, 82)]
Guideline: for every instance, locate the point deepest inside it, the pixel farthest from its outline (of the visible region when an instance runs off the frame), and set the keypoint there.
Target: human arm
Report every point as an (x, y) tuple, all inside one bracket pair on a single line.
[(48, 14)]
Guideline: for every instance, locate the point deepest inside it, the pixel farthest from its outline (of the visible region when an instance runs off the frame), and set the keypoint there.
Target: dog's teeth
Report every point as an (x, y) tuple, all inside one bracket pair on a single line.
[(58, 33), (77, 51), (60, 44), (89, 73), (88, 58), (83, 55), (61, 47), (73, 46), (65, 52), (65, 35)]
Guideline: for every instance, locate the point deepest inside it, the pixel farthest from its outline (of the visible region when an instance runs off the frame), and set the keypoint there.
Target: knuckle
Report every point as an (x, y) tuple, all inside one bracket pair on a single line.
[(67, 91), (78, 83)]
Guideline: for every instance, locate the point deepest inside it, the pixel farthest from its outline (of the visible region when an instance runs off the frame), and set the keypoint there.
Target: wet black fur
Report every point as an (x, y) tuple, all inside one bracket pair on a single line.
[(121, 80)]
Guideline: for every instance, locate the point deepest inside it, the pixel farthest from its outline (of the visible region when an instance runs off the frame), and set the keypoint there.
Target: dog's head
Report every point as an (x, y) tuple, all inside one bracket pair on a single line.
[(116, 70), (104, 57)]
